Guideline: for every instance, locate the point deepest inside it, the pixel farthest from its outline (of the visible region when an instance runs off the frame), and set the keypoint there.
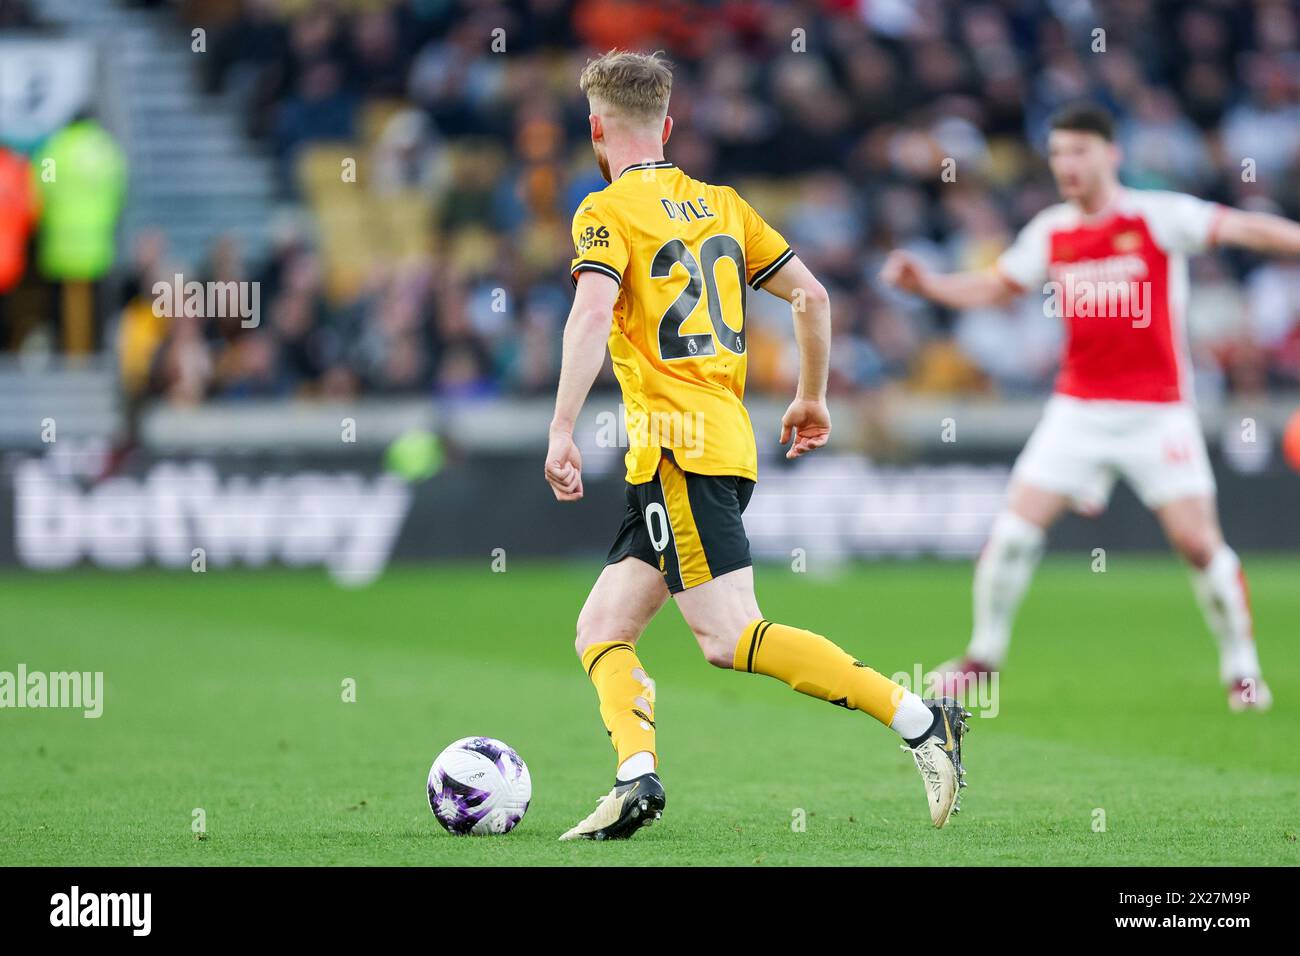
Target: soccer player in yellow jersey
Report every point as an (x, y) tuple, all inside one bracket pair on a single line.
[(661, 270)]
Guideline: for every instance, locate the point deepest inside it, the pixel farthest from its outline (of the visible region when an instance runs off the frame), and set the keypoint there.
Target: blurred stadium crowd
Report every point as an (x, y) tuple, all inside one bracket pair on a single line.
[(440, 267)]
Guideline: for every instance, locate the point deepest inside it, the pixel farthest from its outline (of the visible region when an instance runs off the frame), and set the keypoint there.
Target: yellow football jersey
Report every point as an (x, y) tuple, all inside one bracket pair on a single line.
[(683, 253)]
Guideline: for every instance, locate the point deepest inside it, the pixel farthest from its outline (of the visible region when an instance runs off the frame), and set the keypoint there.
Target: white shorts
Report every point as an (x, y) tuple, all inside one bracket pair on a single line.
[(1081, 447)]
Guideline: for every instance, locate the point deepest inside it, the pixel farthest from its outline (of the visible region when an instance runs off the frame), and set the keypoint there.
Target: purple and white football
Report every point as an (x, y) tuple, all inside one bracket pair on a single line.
[(479, 786)]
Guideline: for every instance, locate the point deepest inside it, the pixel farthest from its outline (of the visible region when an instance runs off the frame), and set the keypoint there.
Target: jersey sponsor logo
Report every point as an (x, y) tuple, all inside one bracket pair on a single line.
[(1114, 287), (593, 237), (1125, 268)]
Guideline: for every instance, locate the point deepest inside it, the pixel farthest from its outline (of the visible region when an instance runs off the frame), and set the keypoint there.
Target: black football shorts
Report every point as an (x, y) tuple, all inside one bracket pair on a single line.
[(686, 525)]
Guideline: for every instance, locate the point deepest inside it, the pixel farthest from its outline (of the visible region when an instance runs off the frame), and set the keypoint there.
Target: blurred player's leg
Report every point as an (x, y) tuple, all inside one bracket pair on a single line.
[(1002, 575), (723, 613), (624, 599), (1169, 467), (1064, 463), (1192, 527)]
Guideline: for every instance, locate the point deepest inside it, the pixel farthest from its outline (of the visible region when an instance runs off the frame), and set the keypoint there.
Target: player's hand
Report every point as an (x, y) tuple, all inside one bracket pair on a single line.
[(904, 271), (808, 422), (564, 467)]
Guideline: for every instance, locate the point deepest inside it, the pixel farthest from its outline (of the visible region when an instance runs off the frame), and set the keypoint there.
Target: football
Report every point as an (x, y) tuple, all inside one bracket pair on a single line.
[(479, 786)]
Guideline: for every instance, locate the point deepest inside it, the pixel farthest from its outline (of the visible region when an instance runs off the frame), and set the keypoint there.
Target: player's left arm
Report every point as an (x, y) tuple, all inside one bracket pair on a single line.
[(807, 419), (1258, 231), (585, 334)]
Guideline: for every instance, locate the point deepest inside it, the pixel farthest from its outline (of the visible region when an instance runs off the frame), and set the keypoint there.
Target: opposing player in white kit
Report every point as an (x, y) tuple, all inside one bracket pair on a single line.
[(1111, 263)]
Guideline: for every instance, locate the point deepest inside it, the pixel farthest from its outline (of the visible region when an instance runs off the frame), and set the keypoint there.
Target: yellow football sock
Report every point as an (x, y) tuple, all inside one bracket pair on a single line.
[(817, 667), (627, 697)]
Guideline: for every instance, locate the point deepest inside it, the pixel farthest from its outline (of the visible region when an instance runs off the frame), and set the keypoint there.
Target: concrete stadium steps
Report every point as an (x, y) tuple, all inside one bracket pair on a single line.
[(194, 173), (81, 397)]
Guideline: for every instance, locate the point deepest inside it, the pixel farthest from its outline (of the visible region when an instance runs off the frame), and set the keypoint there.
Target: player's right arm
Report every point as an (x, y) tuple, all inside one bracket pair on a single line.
[(958, 290), (1021, 267), (601, 255), (585, 335)]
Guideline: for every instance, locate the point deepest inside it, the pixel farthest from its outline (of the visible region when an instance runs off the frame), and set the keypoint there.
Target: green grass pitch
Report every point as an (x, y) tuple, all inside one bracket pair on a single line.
[(224, 692)]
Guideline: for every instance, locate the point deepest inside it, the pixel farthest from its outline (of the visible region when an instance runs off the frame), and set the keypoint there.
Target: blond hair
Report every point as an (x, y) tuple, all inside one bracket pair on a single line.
[(633, 86)]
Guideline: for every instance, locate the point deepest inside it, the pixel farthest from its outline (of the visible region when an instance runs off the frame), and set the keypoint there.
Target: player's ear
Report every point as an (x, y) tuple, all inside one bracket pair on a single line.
[(668, 128), (597, 128)]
